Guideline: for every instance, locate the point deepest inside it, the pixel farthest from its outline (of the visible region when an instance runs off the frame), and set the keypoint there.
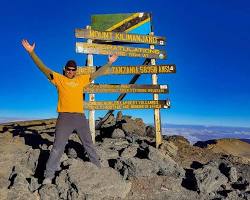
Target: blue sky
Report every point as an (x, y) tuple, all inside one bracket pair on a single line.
[(208, 40)]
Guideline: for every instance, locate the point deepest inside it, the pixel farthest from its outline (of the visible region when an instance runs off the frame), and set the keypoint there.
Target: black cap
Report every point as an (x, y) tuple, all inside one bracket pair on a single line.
[(71, 63)]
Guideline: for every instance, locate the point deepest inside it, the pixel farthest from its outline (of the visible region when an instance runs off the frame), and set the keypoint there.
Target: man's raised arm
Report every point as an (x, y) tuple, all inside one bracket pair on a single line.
[(30, 49), (104, 69)]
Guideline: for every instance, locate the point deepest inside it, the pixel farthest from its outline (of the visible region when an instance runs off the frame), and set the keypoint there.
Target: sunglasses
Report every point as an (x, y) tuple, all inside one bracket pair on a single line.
[(71, 69)]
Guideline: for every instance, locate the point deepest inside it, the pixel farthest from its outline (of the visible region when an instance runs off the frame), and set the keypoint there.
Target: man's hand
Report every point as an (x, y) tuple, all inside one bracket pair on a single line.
[(29, 48), (112, 58)]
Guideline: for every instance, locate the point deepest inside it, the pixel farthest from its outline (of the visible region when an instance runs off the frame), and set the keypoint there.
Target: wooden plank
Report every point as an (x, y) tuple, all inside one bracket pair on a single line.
[(125, 88), (157, 116), (105, 49), (90, 62), (140, 69), (85, 70), (119, 37), (118, 105)]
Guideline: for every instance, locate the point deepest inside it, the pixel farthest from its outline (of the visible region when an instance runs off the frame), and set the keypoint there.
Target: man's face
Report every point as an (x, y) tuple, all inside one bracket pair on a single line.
[(70, 72)]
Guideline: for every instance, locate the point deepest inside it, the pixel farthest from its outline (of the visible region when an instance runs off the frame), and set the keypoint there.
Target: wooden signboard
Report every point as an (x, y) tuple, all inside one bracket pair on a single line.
[(105, 49), (107, 29), (136, 104), (119, 37), (140, 69), (126, 88)]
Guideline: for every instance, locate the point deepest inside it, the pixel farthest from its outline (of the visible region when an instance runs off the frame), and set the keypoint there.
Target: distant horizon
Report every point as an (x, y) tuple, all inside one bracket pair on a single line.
[(4, 120)]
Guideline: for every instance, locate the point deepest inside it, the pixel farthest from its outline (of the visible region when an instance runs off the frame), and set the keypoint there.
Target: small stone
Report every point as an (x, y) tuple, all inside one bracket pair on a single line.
[(169, 148), (129, 152), (43, 146), (233, 174), (49, 192), (34, 185), (150, 131), (72, 153)]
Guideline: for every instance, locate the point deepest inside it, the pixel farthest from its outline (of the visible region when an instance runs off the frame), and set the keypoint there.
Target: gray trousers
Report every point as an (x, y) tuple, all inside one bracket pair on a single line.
[(65, 125)]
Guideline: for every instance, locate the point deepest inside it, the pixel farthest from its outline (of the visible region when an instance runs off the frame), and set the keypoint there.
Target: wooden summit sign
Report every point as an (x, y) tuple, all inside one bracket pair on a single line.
[(141, 69), (139, 104), (106, 35), (105, 49), (119, 37), (126, 88)]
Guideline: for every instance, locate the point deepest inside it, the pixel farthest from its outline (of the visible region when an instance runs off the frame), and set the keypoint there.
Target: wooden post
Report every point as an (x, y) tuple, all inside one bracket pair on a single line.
[(91, 96), (157, 117)]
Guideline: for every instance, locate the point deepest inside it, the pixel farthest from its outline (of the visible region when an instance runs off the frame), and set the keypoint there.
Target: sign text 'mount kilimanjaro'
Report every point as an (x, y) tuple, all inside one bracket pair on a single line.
[(104, 49), (140, 69), (117, 105), (125, 88), (119, 37)]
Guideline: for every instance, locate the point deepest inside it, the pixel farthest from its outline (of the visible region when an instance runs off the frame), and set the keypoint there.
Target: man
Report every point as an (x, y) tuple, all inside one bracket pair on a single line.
[(70, 109)]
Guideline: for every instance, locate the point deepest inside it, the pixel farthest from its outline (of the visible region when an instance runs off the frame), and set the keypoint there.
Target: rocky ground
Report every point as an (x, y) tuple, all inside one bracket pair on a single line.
[(132, 167)]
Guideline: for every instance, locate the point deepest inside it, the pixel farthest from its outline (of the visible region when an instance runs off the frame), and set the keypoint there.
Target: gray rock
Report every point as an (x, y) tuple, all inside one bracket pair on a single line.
[(247, 195), (75, 138), (107, 154), (64, 185), (111, 121), (19, 190), (120, 144), (4, 183), (114, 144), (168, 147), (21, 194), (242, 184), (34, 185), (18, 139), (48, 137), (135, 167), (72, 153), (19, 180), (150, 131), (132, 138), (227, 169), (64, 157), (21, 171), (233, 174), (209, 179), (97, 183), (43, 146), (166, 164), (31, 159), (134, 126), (118, 133), (49, 192), (233, 195), (68, 162), (144, 145), (129, 152)]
